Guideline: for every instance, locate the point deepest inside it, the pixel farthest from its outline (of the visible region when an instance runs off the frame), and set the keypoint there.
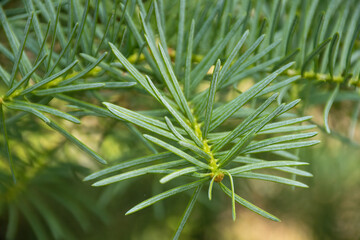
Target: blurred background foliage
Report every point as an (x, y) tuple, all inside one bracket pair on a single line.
[(50, 201)]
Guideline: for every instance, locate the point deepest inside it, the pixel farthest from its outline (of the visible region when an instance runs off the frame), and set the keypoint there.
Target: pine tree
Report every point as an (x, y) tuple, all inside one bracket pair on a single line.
[(225, 86)]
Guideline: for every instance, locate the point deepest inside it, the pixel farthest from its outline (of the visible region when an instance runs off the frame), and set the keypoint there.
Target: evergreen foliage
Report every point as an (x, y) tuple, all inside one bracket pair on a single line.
[(186, 62)]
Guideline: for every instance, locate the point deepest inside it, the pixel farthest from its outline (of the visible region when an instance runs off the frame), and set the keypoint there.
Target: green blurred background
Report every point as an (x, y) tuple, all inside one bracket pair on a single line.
[(50, 172)]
